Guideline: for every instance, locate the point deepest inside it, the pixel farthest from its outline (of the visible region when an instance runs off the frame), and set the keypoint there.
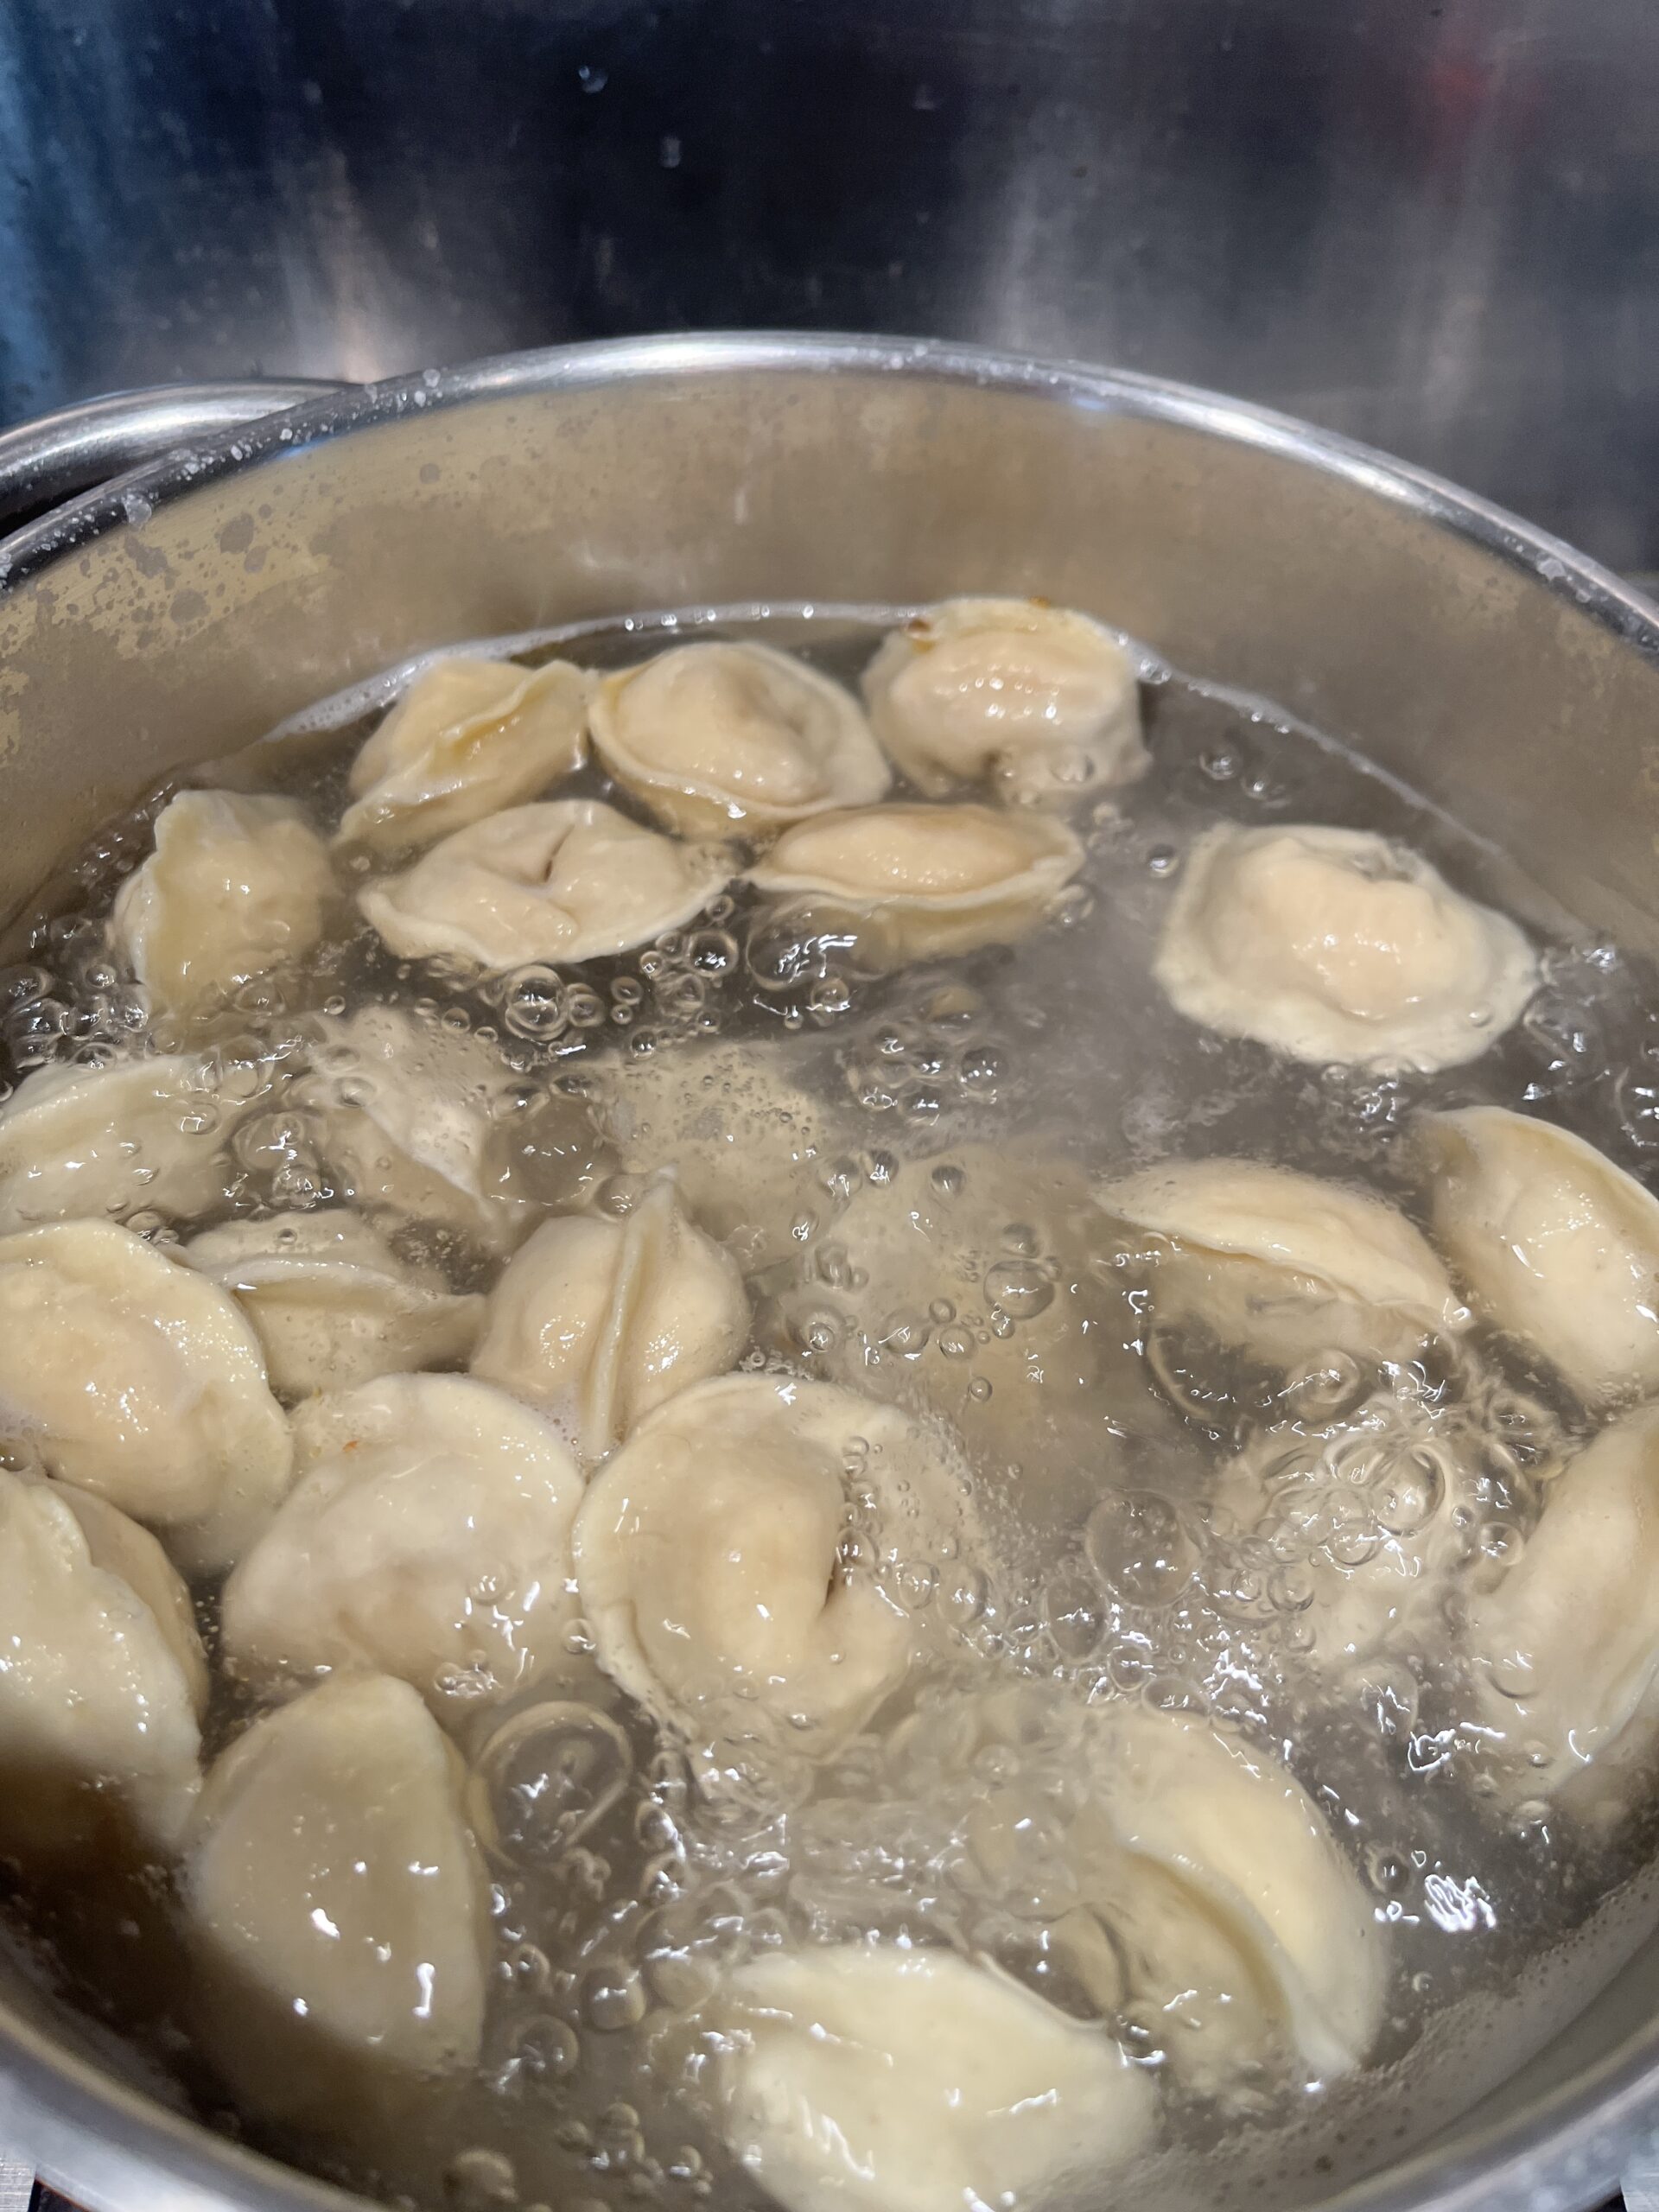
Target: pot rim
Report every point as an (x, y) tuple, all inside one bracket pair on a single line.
[(120, 2148)]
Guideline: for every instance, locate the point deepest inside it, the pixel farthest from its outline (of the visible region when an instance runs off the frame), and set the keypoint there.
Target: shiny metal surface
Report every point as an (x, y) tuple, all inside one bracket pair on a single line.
[(1481, 659), (1430, 224), (48, 460)]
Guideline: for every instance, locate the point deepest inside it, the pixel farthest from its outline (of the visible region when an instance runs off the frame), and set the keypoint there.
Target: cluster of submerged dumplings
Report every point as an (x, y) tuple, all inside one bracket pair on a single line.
[(406, 1550)]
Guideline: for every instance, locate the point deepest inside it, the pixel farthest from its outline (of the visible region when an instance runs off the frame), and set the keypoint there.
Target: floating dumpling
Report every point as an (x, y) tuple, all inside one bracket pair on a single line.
[(1038, 702), (713, 1556), (102, 1683), (467, 738), (896, 2080), (409, 1117), (427, 1536), (907, 882), (597, 1320), (134, 1377), (1235, 1913), (133, 1137), (337, 1907), (1567, 1643), (1282, 1264), (712, 735), (568, 880), (235, 888), (1338, 945), (1555, 1243), (332, 1303)]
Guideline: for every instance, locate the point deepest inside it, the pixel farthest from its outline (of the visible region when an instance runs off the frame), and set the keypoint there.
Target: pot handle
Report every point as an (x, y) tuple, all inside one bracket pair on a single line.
[(55, 456)]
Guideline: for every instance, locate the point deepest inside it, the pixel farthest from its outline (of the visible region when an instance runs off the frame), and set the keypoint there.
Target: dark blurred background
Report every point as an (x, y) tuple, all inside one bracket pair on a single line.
[(1433, 224)]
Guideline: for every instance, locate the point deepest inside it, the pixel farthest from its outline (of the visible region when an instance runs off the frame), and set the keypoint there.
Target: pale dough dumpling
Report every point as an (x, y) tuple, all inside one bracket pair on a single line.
[(406, 1116), (710, 1559), (877, 2078), (1239, 1917), (1555, 1242), (467, 738), (332, 1303), (1338, 945), (1567, 1643), (103, 1680), (236, 887), (568, 880), (136, 1378), (909, 882), (1283, 1264), (427, 1536), (710, 736), (597, 1320), (109, 1141), (1039, 702), (337, 1907)]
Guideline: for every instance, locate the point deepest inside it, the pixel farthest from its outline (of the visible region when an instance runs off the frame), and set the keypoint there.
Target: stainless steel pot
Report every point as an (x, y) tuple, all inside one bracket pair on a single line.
[(194, 602)]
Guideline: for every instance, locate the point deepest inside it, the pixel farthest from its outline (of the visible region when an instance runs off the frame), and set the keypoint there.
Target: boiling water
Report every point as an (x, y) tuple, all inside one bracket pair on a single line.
[(980, 1095)]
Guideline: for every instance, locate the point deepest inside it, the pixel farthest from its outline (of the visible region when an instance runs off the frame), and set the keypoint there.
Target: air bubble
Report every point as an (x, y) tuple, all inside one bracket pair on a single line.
[(1019, 1288), (1136, 1543), (544, 1779)]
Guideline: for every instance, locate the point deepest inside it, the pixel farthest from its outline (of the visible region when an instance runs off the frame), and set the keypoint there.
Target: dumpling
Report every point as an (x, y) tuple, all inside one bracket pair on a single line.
[(427, 1536), (408, 1118), (136, 1378), (906, 882), (598, 1321), (1235, 1916), (714, 1559), (752, 1148), (235, 886), (1337, 946), (977, 1284), (1038, 702), (1284, 1265), (331, 1302), (568, 880), (337, 1907), (1373, 1510), (103, 1680), (1555, 1243), (1567, 1643), (132, 1136), (467, 738), (712, 735), (898, 2080)]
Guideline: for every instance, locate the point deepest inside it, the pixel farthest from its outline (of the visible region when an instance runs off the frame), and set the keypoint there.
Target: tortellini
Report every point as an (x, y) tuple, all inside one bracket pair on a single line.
[(711, 735), (711, 1551), (913, 882), (466, 739), (1285, 1265), (331, 1302), (102, 1683), (1039, 702), (407, 1118), (427, 1536), (1567, 1643), (597, 1320), (337, 1906), (1337, 946), (236, 887), (1240, 1919), (1555, 1243), (137, 1379), (133, 1137), (565, 881), (905, 2080)]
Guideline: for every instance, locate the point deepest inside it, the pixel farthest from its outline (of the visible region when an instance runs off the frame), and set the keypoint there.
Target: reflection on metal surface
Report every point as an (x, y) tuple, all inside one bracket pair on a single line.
[(1431, 224)]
